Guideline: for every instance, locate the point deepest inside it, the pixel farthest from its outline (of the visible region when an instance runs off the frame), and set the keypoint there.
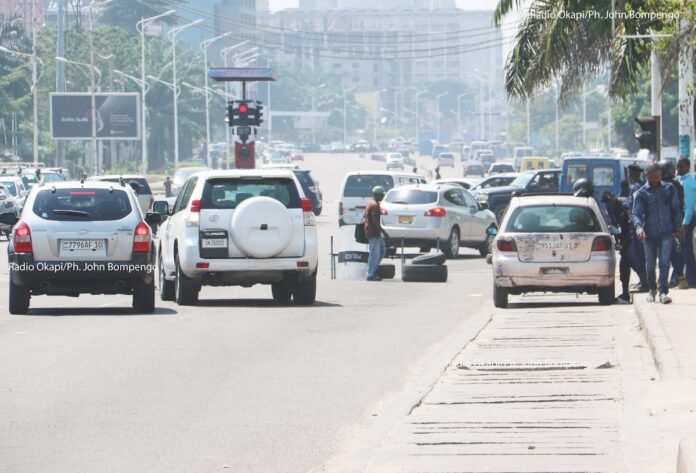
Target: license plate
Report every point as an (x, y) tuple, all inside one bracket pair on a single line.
[(554, 245), (405, 218), (214, 243), (82, 245)]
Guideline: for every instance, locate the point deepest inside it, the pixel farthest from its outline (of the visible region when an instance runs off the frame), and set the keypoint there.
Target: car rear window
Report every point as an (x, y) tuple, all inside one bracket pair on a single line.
[(142, 182), (362, 185), (305, 178), (228, 193), (82, 204), (553, 219), (51, 177), (411, 197)]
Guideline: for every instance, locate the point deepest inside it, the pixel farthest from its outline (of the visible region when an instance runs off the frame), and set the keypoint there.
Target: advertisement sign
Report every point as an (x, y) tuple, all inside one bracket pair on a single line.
[(118, 116)]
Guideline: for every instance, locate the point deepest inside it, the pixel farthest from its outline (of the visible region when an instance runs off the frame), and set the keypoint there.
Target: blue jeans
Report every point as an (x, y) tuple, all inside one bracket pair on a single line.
[(377, 249), (688, 254), (660, 250)]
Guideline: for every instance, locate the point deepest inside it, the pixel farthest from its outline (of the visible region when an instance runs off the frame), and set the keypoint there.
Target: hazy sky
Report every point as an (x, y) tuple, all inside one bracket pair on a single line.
[(466, 4)]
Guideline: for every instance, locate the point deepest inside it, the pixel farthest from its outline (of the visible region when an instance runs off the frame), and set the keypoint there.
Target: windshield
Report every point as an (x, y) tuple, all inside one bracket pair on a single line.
[(228, 193), (522, 180), (554, 219), (83, 204), (362, 185), (10, 186), (410, 197)]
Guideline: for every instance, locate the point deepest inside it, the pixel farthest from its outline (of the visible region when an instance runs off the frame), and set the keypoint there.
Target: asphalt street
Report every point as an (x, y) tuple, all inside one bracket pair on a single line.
[(234, 384)]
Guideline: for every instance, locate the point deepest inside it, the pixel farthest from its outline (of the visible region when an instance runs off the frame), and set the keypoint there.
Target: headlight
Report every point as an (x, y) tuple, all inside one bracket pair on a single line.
[(482, 198)]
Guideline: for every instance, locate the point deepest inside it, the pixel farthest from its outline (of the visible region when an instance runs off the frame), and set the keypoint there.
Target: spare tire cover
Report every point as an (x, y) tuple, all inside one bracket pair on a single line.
[(261, 227)]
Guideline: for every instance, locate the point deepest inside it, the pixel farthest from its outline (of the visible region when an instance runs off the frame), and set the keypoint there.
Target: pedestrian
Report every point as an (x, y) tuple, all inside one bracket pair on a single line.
[(657, 217), (689, 185), (415, 170), (669, 175), (374, 233), (618, 217), (437, 173), (636, 251), (168, 187)]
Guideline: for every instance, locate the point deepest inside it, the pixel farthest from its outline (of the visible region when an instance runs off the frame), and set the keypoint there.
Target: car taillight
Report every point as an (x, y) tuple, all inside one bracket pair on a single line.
[(142, 238), (195, 205), (22, 239), (601, 243), (194, 217), (506, 244), (308, 213), (436, 212)]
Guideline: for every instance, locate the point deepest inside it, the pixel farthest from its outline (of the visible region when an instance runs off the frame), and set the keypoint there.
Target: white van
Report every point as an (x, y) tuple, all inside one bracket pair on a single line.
[(356, 191), (519, 153)]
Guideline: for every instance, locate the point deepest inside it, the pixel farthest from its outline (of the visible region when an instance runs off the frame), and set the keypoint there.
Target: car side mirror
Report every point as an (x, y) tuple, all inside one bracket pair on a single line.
[(491, 231), (483, 205), (9, 218), (152, 218), (161, 207)]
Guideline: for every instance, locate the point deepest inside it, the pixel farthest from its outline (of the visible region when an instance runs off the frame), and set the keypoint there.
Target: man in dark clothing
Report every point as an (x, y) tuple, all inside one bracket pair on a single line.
[(377, 247), (618, 217), (668, 175), (657, 217), (168, 187), (636, 251)]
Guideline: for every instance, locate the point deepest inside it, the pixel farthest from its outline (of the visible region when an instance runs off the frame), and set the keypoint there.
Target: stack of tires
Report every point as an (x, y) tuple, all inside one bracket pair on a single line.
[(426, 268)]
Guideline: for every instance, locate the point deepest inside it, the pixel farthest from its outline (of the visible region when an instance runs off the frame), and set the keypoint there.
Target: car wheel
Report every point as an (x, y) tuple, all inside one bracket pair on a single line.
[(451, 249), (282, 291), (437, 258), (500, 296), (424, 273), (166, 288), (305, 290), (386, 271), (144, 298), (18, 299), (606, 294), (487, 246), (185, 288)]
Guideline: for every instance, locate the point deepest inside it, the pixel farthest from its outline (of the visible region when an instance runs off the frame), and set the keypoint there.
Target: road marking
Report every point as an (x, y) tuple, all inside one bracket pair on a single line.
[(475, 295)]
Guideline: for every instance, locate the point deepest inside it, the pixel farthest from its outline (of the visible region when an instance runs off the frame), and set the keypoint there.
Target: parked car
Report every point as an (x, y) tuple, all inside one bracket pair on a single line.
[(497, 180), (181, 175), (431, 215), (395, 161), (74, 239), (473, 168), (555, 243), (527, 182), (497, 168), (145, 198), (445, 160), (311, 189), (239, 228)]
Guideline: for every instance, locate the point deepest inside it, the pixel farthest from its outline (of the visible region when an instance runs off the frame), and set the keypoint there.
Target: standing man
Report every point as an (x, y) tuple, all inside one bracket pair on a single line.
[(689, 185), (618, 217), (168, 187), (669, 175), (636, 251), (657, 217), (374, 233)]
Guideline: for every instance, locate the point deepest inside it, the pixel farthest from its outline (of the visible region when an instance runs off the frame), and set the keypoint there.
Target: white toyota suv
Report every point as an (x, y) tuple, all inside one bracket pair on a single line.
[(239, 228)]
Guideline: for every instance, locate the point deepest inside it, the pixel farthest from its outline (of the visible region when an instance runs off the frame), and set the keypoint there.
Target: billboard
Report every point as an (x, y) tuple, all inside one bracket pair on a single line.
[(118, 116)]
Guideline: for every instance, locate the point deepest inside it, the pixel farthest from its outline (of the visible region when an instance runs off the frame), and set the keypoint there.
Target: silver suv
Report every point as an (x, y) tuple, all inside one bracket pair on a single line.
[(81, 238), (239, 228)]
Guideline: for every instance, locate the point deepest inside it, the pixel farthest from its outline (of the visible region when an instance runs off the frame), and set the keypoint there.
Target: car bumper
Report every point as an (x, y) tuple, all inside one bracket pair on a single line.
[(510, 272), (411, 235)]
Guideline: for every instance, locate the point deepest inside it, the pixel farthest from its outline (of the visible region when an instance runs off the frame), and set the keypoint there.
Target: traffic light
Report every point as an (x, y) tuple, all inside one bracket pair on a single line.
[(649, 136), (259, 113)]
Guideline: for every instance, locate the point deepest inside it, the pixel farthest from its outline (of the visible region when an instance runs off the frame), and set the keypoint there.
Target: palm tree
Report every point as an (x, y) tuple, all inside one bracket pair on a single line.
[(571, 41)]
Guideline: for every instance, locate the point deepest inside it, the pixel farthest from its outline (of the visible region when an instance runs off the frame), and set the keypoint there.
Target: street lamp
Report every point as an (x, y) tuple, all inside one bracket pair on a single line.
[(140, 26), (314, 127), (172, 34), (204, 46), (437, 99), (345, 115)]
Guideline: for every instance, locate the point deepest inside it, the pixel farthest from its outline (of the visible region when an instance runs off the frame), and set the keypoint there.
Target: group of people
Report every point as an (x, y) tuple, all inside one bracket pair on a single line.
[(657, 226)]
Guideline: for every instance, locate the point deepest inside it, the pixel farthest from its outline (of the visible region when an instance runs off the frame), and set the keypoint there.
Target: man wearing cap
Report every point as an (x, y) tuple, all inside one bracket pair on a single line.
[(373, 232)]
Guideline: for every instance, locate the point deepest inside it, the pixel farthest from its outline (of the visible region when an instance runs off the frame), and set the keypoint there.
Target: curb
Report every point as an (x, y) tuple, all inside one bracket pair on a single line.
[(686, 460), (658, 342)]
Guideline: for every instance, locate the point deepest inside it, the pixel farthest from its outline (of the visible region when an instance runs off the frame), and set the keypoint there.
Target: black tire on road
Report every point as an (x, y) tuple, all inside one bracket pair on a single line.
[(144, 298), (606, 295), (18, 299), (386, 271), (451, 247), (500, 296), (186, 289), (166, 288), (424, 273), (282, 291), (305, 291), (437, 258), (487, 247)]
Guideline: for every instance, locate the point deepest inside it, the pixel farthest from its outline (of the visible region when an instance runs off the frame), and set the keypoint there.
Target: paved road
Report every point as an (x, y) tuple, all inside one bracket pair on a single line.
[(235, 384)]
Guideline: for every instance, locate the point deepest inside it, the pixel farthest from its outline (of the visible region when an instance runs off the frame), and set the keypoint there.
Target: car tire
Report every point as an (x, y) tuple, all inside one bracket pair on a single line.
[(317, 211), (282, 291), (424, 273), (18, 299), (451, 248), (386, 271), (437, 258), (185, 288), (487, 246), (500, 296), (304, 291), (166, 288), (144, 298), (606, 294)]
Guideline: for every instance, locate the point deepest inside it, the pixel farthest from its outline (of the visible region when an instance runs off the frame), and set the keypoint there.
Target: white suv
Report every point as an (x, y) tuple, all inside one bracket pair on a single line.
[(239, 228)]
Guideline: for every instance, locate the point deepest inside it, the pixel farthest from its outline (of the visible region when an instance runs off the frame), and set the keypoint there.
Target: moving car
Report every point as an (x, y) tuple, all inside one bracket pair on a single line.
[(356, 191), (297, 155), (533, 163), (486, 156), (15, 187), (395, 161), (556, 243), (497, 168), (310, 186), (437, 149), (239, 228), (181, 175), (498, 180), (432, 215), (145, 198), (466, 183), (519, 153), (445, 160), (75, 238), (473, 168), (7, 205)]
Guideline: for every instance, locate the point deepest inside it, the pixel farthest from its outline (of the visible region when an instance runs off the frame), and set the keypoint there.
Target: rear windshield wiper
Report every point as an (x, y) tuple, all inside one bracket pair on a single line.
[(402, 202), (76, 213)]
